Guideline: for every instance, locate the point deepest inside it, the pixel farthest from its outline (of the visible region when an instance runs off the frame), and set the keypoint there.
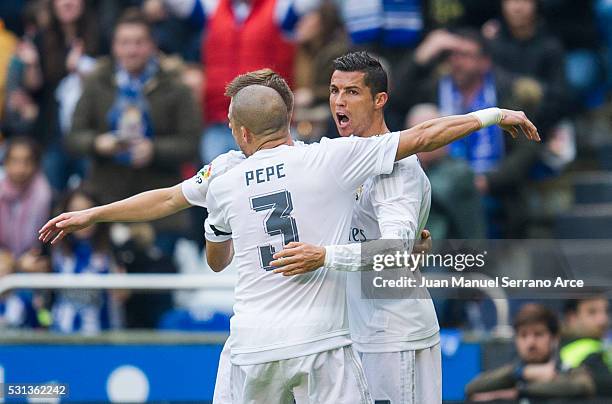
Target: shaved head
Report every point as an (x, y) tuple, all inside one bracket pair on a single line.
[(259, 109), (264, 77)]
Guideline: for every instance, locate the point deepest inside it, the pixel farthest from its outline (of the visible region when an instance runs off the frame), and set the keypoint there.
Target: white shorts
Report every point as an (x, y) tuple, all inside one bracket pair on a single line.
[(330, 377), (223, 387), (407, 377)]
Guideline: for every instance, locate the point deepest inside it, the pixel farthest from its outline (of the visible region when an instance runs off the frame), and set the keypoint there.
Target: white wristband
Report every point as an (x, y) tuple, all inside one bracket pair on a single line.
[(488, 117)]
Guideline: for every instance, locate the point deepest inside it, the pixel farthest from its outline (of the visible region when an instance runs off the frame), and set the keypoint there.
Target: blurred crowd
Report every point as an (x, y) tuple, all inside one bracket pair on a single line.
[(103, 99), (554, 358)]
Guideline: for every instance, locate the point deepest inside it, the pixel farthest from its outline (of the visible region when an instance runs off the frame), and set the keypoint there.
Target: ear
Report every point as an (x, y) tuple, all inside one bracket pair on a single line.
[(246, 134), (380, 100)]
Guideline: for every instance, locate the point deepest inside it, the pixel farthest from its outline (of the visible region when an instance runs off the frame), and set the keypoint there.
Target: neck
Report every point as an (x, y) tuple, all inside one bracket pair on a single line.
[(378, 127), (524, 31), (272, 142)]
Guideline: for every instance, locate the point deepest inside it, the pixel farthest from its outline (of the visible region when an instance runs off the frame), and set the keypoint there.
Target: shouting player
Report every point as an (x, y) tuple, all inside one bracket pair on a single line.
[(397, 339)]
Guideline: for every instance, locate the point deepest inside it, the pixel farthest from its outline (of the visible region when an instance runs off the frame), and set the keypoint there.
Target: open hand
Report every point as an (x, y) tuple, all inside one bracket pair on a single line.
[(60, 226), (515, 121)]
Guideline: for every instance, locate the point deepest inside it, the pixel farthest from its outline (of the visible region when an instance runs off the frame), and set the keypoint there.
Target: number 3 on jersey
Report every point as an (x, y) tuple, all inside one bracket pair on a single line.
[(278, 221)]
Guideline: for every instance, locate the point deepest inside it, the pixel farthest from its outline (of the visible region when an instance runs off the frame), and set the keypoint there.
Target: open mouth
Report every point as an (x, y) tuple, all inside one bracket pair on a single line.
[(343, 119)]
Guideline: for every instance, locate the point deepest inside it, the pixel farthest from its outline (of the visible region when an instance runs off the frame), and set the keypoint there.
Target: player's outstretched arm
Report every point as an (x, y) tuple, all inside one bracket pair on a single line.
[(143, 207), (436, 133)]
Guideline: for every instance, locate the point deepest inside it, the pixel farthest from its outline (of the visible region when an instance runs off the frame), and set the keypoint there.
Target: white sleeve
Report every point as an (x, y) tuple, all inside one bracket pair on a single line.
[(346, 257), (396, 199), (216, 227), (355, 159), (359, 256), (195, 188)]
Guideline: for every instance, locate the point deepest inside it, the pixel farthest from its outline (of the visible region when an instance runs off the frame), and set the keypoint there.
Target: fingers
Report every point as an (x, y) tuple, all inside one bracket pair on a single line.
[(284, 261), (293, 244), (52, 222), (529, 128), (286, 268), (57, 238), (287, 252), (47, 235), (291, 270), (512, 131)]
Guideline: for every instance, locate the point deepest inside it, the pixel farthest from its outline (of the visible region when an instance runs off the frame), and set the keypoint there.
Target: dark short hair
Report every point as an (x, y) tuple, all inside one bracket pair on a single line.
[(133, 16), (473, 35), (533, 313), (28, 142), (375, 75), (571, 305)]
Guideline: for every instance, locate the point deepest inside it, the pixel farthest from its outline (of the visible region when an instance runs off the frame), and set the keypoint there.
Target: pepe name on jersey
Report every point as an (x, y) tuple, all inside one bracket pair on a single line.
[(266, 174)]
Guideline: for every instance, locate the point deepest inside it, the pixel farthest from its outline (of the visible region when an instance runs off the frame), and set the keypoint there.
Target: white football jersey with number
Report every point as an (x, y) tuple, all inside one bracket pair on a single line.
[(393, 206), (289, 194)]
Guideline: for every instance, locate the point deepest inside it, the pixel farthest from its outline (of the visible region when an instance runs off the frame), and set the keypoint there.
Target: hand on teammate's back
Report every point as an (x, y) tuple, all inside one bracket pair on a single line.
[(298, 258)]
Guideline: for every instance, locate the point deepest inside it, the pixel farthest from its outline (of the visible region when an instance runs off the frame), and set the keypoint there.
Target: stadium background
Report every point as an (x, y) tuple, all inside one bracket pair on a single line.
[(164, 346)]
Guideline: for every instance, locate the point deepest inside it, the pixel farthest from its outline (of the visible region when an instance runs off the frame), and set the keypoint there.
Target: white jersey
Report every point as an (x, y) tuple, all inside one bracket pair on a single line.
[(394, 206), (289, 194), (195, 188)]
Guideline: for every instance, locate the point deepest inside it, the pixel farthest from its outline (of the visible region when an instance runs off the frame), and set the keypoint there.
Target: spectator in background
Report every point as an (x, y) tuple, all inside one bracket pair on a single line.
[(10, 12), (586, 325), (136, 121), (25, 202), (536, 373), (603, 10), (24, 77), (8, 43), (456, 211), (87, 251), (239, 36), (522, 45), (574, 23), (139, 255), (71, 34), (174, 35), (458, 13), (385, 28), (471, 83), (321, 38)]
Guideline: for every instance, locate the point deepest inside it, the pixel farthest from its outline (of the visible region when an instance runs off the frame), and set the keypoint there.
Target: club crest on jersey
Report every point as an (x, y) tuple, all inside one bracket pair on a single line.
[(358, 192)]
